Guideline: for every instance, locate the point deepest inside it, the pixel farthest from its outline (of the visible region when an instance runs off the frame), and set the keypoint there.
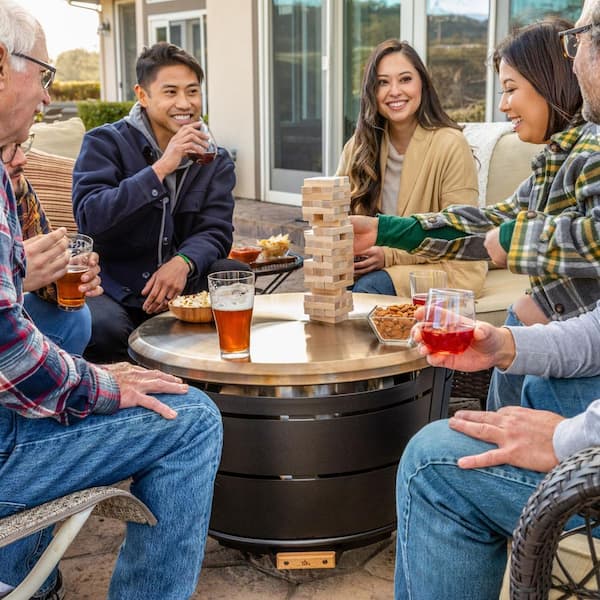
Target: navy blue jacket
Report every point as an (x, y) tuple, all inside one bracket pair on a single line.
[(119, 201)]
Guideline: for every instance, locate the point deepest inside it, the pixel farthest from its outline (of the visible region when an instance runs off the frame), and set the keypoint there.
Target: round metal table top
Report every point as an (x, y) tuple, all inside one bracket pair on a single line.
[(286, 348)]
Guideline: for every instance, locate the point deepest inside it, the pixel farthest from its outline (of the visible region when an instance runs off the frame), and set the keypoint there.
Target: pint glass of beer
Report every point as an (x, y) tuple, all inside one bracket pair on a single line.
[(232, 300), (67, 287)]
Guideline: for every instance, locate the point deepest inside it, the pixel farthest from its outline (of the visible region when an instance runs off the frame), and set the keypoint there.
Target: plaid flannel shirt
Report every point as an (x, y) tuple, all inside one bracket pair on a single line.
[(38, 379), (556, 240)]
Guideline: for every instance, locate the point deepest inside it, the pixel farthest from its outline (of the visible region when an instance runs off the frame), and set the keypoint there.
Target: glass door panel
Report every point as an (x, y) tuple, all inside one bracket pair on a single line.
[(296, 95), (127, 50), (366, 24)]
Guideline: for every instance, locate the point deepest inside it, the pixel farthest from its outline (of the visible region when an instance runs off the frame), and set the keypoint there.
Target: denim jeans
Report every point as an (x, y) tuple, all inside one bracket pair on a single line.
[(375, 282), (172, 464), (71, 330), (453, 523), (505, 389)]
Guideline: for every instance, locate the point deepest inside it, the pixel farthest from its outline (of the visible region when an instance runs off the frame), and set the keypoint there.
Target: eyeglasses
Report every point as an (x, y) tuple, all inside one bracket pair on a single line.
[(9, 151), (570, 40), (47, 75)]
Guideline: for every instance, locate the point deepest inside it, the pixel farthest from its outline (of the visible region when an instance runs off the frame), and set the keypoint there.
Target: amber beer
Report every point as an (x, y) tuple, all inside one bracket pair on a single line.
[(232, 300), (67, 287)]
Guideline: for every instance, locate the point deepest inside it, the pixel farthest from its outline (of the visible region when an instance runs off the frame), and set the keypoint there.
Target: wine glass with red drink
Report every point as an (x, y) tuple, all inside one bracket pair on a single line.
[(209, 154), (449, 320), (422, 281)]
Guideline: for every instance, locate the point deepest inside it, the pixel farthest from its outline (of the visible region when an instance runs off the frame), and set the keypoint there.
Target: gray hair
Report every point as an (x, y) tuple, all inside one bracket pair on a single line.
[(19, 31), (595, 19)]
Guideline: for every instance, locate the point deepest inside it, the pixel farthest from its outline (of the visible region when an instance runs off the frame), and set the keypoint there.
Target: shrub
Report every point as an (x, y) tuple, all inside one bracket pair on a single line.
[(67, 91), (96, 113)]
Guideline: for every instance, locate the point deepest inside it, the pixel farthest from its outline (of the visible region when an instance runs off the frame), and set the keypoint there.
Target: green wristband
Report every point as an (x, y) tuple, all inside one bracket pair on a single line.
[(188, 262)]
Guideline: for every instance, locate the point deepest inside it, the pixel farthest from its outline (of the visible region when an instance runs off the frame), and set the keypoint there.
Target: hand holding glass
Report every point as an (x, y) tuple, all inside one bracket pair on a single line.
[(232, 300), (422, 281), (67, 287), (449, 320), (209, 154)]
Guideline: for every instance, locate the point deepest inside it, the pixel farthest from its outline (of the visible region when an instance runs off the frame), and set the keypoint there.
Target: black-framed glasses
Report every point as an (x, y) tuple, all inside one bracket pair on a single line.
[(9, 151), (570, 41), (47, 74)]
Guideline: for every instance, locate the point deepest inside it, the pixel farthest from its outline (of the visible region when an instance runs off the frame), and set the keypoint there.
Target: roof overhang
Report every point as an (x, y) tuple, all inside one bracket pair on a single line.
[(91, 4)]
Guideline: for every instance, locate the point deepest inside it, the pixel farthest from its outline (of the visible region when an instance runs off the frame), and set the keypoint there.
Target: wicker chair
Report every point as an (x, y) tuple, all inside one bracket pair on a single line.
[(539, 567), (74, 510)]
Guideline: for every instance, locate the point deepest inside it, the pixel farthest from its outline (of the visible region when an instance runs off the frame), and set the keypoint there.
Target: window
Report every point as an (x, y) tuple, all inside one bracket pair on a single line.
[(524, 12), (457, 38)]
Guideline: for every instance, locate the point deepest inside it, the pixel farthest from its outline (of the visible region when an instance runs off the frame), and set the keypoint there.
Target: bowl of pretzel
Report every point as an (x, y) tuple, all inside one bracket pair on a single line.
[(276, 246), (193, 308), (392, 324)]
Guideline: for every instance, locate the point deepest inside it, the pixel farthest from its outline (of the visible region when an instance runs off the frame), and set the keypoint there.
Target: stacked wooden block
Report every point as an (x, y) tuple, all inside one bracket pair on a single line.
[(325, 205)]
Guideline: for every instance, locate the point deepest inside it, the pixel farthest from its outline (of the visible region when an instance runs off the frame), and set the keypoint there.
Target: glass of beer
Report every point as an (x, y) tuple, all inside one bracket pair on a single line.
[(67, 287), (232, 300), (449, 320), (422, 281)]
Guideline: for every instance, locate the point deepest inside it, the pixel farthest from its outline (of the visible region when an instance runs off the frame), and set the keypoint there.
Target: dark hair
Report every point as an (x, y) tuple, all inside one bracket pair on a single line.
[(536, 52), (364, 172), (161, 55)]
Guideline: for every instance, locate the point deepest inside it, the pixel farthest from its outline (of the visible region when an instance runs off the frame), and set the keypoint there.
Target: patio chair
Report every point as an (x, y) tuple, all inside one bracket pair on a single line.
[(74, 509), (547, 562)]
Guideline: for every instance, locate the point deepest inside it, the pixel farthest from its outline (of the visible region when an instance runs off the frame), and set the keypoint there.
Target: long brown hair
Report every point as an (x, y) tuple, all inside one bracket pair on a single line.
[(365, 172), (536, 52)]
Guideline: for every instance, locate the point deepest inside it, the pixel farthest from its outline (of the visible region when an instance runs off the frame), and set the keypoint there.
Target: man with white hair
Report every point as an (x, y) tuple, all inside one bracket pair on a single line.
[(463, 483), (66, 424)]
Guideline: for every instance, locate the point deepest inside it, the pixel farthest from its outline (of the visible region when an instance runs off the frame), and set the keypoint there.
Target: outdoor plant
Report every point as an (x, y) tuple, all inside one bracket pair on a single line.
[(96, 113)]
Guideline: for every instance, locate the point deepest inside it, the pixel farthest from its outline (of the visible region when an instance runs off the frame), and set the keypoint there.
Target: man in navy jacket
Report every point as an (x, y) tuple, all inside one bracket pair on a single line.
[(159, 220)]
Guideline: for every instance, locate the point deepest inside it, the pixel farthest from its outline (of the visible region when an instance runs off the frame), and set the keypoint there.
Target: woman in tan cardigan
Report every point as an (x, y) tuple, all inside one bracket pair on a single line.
[(406, 156)]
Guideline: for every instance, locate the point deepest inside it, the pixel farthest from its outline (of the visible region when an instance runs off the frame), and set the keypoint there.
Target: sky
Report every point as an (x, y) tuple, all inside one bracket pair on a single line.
[(66, 27)]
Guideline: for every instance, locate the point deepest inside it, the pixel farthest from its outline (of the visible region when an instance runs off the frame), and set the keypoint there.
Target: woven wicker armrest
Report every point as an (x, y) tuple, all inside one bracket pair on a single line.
[(108, 502), (572, 488)]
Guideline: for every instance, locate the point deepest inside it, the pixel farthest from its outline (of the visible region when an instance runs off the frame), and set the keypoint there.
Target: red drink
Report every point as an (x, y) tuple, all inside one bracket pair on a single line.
[(233, 327), (453, 339), (202, 159), (419, 299)]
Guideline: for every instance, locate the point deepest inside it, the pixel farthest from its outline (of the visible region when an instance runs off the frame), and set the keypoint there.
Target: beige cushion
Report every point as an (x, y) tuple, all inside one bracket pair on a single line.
[(52, 178), (61, 137), (500, 290), (509, 166), (575, 554)]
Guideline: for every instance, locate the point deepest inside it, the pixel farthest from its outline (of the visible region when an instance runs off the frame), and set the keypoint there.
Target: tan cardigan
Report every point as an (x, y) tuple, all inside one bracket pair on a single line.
[(439, 170)]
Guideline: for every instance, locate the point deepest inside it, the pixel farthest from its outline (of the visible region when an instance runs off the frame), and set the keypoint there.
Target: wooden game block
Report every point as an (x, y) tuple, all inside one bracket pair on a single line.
[(324, 270), (327, 181), (337, 262), (329, 320), (335, 281), (338, 212), (331, 242), (337, 251), (338, 230), (323, 220), (319, 302), (319, 195)]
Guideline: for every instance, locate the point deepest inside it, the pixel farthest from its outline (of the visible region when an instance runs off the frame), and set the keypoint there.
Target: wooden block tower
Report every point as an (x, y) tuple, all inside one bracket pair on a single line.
[(325, 205)]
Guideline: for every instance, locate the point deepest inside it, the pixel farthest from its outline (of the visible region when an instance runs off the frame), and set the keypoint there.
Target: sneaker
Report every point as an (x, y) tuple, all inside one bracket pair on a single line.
[(58, 592)]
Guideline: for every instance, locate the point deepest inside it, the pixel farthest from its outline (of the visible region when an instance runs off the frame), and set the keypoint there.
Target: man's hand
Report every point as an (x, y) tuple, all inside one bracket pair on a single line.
[(490, 347), (47, 259), (374, 260), (166, 283), (90, 280), (136, 385), (365, 232), (494, 249), (188, 139), (523, 436)]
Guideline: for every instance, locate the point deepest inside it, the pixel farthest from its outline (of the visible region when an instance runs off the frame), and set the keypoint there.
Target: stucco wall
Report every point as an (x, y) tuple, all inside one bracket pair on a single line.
[(233, 86)]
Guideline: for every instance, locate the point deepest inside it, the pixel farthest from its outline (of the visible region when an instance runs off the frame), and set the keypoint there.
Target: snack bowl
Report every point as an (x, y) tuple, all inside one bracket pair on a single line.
[(245, 254), (274, 247), (193, 308), (392, 324)]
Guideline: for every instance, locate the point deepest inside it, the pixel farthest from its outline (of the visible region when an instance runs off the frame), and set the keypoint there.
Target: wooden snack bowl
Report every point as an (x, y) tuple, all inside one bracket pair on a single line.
[(192, 314)]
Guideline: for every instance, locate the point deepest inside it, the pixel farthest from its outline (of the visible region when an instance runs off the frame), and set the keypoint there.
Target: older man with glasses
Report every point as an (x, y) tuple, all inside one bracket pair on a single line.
[(47, 259), (123, 421), (463, 483)]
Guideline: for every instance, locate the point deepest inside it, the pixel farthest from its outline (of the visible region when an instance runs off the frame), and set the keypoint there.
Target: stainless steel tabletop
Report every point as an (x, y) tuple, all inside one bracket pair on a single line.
[(285, 347)]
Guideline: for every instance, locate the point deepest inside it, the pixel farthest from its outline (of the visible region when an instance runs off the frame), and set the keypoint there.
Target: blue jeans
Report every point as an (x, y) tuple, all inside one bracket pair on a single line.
[(453, 524), (375, 282), (505, 390), (71, 330), (172, 465)]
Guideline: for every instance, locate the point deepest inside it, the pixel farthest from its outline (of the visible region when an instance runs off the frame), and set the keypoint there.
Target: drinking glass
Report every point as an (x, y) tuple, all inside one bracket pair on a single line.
[(449, 320), (422, 281), (232, 300), (209, 154), (67, 287)]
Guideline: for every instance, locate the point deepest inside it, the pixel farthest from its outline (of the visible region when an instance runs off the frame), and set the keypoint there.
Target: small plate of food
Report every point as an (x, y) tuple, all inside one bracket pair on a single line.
[(193, 308), (392, 324)]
